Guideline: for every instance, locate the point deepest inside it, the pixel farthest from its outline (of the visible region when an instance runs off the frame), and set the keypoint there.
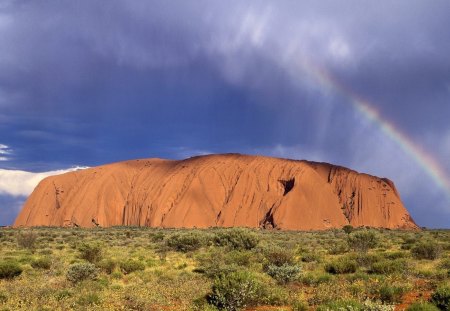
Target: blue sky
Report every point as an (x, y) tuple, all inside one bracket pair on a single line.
[(90, 82)]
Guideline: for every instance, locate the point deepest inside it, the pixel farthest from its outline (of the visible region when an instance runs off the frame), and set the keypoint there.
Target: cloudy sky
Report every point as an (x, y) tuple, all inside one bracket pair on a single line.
[(356, 83)]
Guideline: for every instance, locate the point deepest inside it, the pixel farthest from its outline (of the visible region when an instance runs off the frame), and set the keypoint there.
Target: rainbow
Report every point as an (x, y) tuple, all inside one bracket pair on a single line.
[(425, 160)]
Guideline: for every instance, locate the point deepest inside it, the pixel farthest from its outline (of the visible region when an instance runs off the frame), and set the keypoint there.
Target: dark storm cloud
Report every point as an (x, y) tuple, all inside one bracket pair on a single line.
[(9, 207), (90, 82)]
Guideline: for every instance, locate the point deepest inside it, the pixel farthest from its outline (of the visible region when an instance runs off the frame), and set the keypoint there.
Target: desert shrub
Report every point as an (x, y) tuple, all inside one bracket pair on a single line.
[(407, 245), (107, 265), (42, 263), (395, 255), (337, 248), (157, 237), (131, 302), (283, 274), (370, 305), (311, 257), (280, 265), (389, 266), (130, 265), (426, 250), (128, 234), (445, 263), (366, 260), (218, 262), (348, 229), (441, 298), (239, 258), (299, 306), (315, 279), (341, 266), (199, 304), (213, 269), (91, 252), (9, 269), (237, 238), (422, 306), (235, 291), (62, 294), (390, 294), (3, 297), (279, 256), (341, 305), (89, 299), (363, 240), (185, 242), (352, 305), (27, 239), (78, 272), (273, 295)]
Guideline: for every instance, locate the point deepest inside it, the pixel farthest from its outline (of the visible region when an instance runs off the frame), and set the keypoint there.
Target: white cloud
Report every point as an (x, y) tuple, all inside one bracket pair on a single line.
[(4, 151), (22, 183)]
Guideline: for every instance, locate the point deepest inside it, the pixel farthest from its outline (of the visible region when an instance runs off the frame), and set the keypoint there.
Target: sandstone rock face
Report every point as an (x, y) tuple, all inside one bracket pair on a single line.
[(216, 191)]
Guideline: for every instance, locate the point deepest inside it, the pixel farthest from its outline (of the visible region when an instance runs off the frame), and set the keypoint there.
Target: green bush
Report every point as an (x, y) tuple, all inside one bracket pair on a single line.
[(313, 279), (395, 255), (300, 306), (445, 263), (311, 257), (340, 247), (199, 304), (130, 265), (283, 274), (352, 305), (341, 305), (3, 295), (441, 298), (422, 306), (348, 229), (279, 256), (390, 294), (27, 239), (89, 299), (91, 252), (78, 272), (426, 250), (185, 242), (62, 294), (157, 237), (9, 269), (389, 267), (363, 240), (237, 238), (370, 305), (341, 266), (216, 261), (42, 263), (366, 260), (235, 291), (107, 265)]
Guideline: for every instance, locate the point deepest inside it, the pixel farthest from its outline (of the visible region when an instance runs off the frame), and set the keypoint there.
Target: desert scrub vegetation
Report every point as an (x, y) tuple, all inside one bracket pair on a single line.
[(132, 268), (78, 272), (27, 239), (430, 250), (9, 269)]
